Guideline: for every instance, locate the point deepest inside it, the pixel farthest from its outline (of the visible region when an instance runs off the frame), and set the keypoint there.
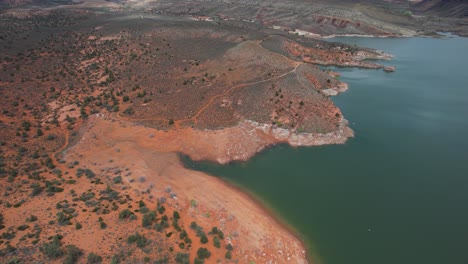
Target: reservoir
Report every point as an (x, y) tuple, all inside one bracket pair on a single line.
[(398, 191)]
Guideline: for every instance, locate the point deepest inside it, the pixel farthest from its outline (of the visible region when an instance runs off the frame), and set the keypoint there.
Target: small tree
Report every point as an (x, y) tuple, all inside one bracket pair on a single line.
[(203, 239), (203, 253), (216, 242), (176, 215)]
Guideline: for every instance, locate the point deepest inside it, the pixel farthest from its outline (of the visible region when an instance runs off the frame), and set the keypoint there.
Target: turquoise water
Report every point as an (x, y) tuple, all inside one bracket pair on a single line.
[(396, 193)]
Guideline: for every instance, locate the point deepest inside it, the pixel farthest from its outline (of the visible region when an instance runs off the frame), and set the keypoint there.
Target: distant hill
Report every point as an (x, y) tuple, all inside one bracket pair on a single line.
[(447, 8)]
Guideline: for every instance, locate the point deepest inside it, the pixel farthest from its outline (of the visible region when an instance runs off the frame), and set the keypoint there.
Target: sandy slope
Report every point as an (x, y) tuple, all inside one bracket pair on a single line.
[(150, 154)]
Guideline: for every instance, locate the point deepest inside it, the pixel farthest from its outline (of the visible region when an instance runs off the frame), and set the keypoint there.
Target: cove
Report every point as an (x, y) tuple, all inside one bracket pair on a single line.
[(398, 191)]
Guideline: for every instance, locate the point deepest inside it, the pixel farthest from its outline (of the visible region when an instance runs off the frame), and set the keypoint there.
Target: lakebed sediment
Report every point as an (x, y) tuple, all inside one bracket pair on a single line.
[(153, 155)]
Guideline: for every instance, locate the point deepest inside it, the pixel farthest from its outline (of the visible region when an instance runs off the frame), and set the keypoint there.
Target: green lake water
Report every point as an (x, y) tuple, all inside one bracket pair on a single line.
[(397, 193)]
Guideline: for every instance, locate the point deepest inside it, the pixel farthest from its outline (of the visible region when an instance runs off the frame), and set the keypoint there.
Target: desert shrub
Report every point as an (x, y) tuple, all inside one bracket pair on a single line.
[(176, 215), (228, 255), (203, 253), (87, 172), (216, 242), (117, 179), (164, 260), (62, 218), (144, 210), (176, 226), (140, 240), (408, 13), (93, 258), (161, 209), (125, 214), (14, 260), (73, 253), (198, 261), (53, 249), (148, 219), (129, 111), (183, 234), (203, 239), (115, 259), (229, 247), (32, 218), (182, 258), (36, 189), (23, 227), (78, 226)]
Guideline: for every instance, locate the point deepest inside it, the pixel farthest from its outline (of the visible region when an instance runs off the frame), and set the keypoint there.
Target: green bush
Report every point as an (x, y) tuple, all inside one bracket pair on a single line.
[(36, 189), (32, 218), (117, 179), (148, 219), (140, 240), (73, 253), (161, 209), (228, 255), (94, 258), (164, 260), (144, 210), (23, 227), (203, 253), (216, 242), (117, 258), (176, 215), (198, 261), (182, 258), (53, 249), (203, 239), (126, 213), (14, 260), (183, 234), (62, 218)]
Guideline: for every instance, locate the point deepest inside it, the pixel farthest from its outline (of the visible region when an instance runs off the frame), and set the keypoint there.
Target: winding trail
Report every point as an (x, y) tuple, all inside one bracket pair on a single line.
[(194, 118)]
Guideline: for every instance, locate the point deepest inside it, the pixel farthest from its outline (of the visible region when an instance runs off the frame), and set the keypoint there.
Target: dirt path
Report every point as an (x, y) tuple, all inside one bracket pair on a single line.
[(194, 118)]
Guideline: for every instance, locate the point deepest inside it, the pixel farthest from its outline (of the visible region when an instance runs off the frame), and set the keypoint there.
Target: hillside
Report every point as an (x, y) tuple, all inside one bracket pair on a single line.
[(446, 8)]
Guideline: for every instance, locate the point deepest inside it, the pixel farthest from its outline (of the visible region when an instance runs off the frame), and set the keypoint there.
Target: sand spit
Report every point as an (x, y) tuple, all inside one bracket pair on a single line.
[(256, 235)]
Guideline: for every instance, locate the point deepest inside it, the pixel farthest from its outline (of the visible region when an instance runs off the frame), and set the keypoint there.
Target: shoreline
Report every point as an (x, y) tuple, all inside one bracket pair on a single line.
[(258, 225), (270, 212)]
